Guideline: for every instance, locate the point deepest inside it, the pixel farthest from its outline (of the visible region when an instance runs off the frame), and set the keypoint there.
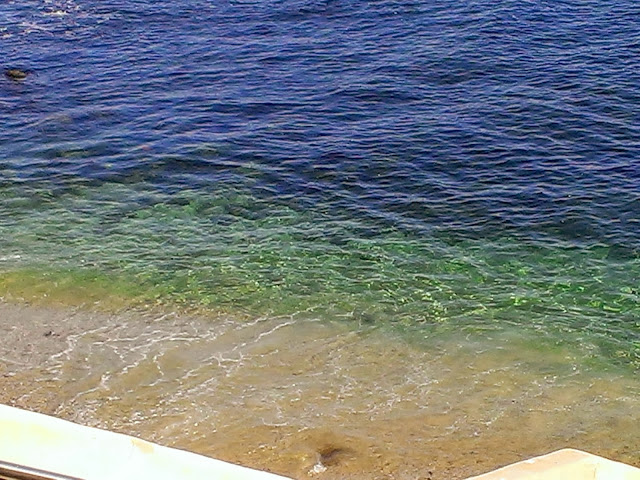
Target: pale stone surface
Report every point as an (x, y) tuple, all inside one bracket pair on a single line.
[(567, 464), (58, 446)]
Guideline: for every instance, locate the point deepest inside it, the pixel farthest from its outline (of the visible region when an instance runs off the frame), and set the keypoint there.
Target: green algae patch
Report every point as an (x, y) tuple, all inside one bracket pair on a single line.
[(231, 250), (86, 288)]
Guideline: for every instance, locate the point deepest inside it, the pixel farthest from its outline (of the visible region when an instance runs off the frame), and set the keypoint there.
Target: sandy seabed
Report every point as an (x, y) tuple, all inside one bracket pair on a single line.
[(307, 398)]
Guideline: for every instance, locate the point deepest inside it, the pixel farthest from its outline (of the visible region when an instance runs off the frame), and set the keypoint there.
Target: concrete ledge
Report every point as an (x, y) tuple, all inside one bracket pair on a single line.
[(567, 464), (52, 445), (47, 444)]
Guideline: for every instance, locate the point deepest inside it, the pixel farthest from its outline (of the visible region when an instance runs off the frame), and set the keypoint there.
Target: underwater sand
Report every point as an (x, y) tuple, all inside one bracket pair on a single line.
[(286, 395)]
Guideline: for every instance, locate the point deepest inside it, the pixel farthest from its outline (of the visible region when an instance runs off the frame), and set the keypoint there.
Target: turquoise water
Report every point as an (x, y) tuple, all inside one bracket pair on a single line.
[(233, 251), (451, 169)]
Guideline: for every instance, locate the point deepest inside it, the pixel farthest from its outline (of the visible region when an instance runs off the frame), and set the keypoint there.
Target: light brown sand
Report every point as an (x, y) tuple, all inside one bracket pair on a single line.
[(312, 399)]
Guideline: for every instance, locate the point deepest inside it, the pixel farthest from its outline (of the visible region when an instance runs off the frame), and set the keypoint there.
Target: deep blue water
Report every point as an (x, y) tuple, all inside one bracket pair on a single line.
[(477, 124), (472, 117)]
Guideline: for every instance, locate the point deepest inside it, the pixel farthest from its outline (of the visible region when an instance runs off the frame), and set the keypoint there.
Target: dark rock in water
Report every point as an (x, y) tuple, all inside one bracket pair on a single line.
[(16, 74), (332, 455)]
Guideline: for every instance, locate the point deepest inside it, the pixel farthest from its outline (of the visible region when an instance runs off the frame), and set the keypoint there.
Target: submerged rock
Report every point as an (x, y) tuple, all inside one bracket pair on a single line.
[(16, 74)]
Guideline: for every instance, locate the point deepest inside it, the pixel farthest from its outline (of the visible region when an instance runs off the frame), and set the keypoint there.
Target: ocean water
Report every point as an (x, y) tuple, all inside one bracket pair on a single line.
[(457, 179)]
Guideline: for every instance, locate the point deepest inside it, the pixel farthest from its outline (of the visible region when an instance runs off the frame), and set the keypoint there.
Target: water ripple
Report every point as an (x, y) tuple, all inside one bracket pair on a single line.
[(461, 122)]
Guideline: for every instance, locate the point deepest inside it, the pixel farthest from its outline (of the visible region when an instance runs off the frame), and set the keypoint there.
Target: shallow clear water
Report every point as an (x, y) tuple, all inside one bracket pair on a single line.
[(289, 394), (188, 248), (456, 172)]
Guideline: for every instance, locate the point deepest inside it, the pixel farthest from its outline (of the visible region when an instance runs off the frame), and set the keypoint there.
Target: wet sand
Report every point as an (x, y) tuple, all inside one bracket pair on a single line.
[(307, 398)]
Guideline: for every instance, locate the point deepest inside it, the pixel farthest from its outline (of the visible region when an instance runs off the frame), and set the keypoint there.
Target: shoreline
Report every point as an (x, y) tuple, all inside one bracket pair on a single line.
[(280, 395), (145, 460)]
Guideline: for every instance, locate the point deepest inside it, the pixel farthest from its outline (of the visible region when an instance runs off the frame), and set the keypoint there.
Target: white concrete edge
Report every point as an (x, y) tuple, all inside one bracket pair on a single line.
[(58, 446), (51, 444), (565, 464)]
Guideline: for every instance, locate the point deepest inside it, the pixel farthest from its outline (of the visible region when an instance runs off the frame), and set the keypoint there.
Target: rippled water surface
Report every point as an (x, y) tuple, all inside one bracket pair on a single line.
[(453, 177)]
